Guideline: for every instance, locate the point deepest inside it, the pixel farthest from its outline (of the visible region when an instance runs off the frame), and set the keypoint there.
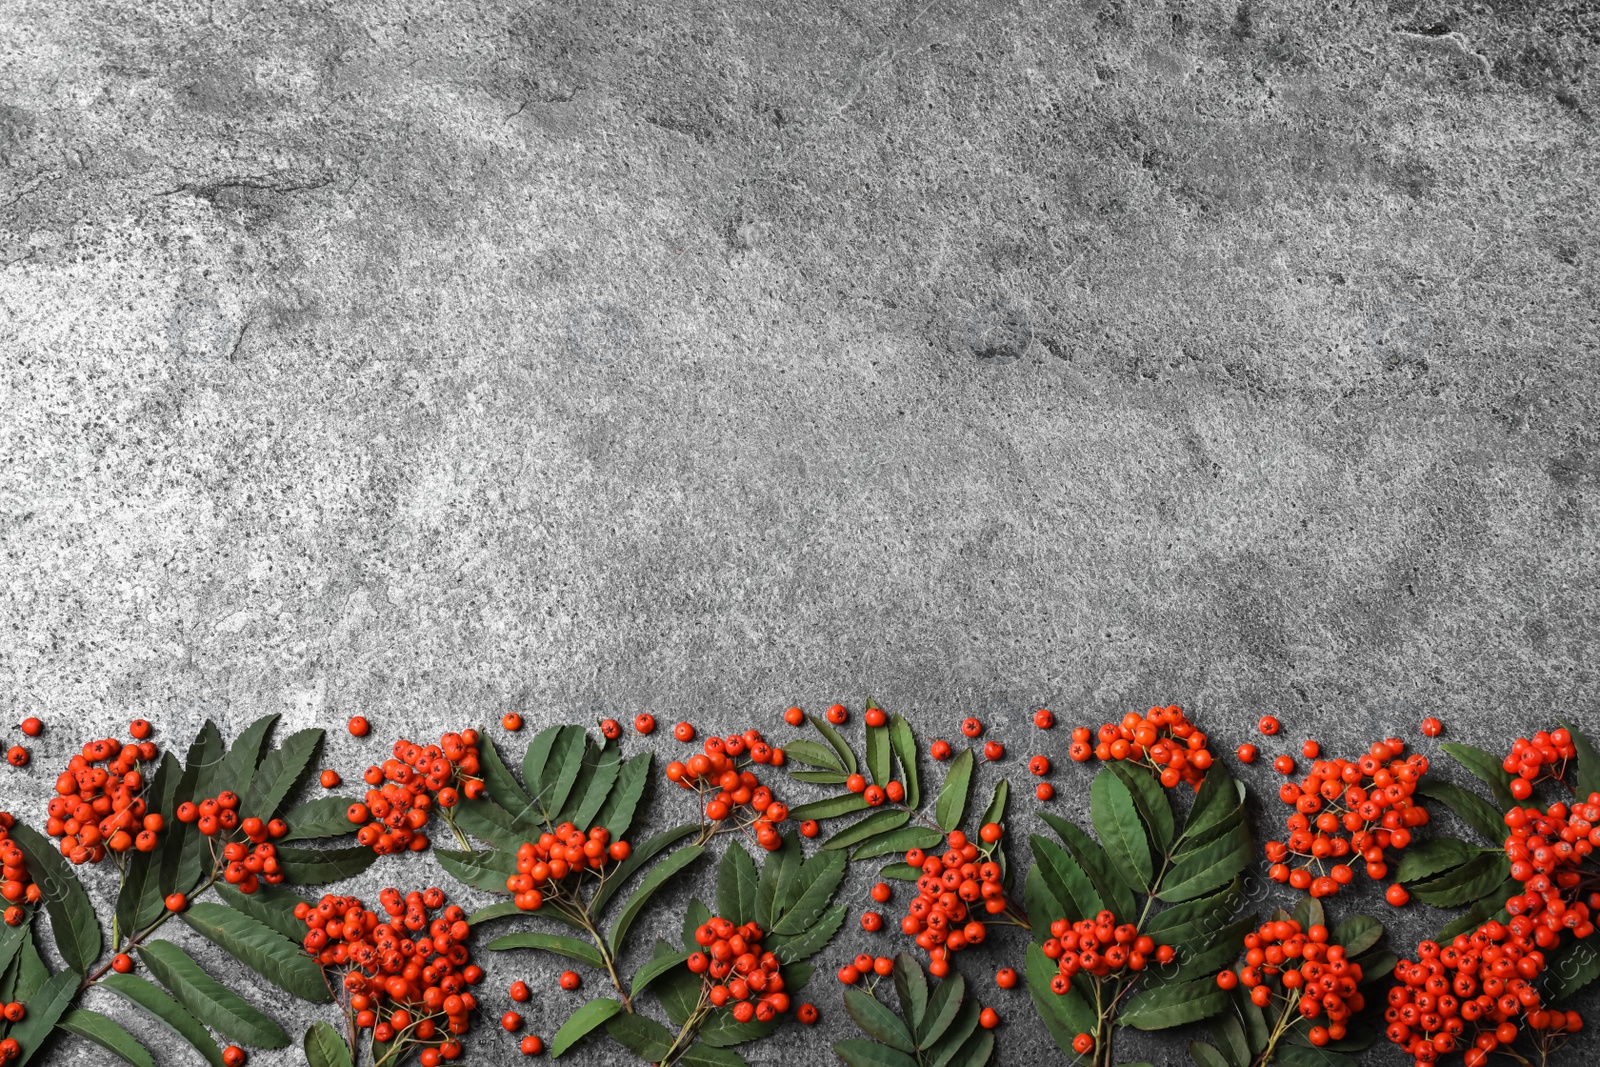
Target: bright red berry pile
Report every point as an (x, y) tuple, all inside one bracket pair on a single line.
[(1545, 756), (737, 971), (1547, 850), (16, 886), (404, 790), (98, 804), (406, 976), (953, 886), (1100, 947), (556, 862), (1349, 808), (249, 862), (1477, 993), (1306, 970), (1162, 740), (716, 772)]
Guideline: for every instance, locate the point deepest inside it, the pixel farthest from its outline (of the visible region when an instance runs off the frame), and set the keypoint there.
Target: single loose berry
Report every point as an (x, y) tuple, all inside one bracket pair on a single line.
[(1005, 978), (809, 828), (807, 1014), (895, 791), (511, 721), (511, 1022), (177, 902), (234, 1056), (330, 779), (17, 756), (794, 716), (939, 750), (971, 727), (611, 729), (1246, 753), (871, 922), (837, 714), (139, 729), (1083, 1044), (644, 723), (1310, 750), (875, 717), (881, 892), (1046, 791), (856, 783), (570, 980), (848, 975), (359, 726), (32, 727), (1268, 725), (1039, 765), (990, 832), (1284, 764), (993, 750), (1044, 719), (520, 992), (532, 1045), (1432, 727), (683, 732), (989, 1019), (122, 963), (1397, 895)]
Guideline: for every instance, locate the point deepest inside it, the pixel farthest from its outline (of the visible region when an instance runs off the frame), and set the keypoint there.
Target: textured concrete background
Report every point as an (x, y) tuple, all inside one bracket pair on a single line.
[(426, 361)]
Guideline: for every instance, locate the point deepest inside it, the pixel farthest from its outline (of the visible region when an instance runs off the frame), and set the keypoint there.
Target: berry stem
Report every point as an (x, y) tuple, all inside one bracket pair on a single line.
[(1281, 1027), (691, 1028)]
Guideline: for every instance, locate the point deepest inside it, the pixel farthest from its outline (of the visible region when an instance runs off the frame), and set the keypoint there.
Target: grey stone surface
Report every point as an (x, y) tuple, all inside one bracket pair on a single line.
[(427, 361)]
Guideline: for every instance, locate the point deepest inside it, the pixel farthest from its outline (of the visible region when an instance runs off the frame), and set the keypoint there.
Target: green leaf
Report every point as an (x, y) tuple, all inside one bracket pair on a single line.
[(1182, 923), (237, 768), (911, 986), (1572, 971), (814, 886), (209, 1000), (164, 1009), (1487, 767), (1254, 1019), (582, 1022), (722, 1031), (319, 819), (536, 757), (658, 876), (205, 754), (678, 991), (1116, 820), (830, 808), (646, 1038), (898, 841), (1464, 884), (880, 757), (977, 1049), (796, 947), (259, 947), (1588, 777), (944, 1004), (324, 1047), (280, 772), (1041, 904), (655, 968), (506, 909), (1208, 956), (503, 787), (593, 791), (92, 1026), (1204, 1055), (488, 821), (776, 873), (703, 1055), (569, 773), (319, 866), (1207, 868), (1173, 1005), (952, 803), (1469, 807), (736, 885), (813, 754), (272, 905), (1065, 1015), (695, 916), (1357, 934), (946, 1052), (1231, 1040), (1220, 795), (1432, 856), (140, 900), (12, 939), (877, 1020), (1308, 913), (481, 870), (820, 777), (1476, 915), (641, 855), (904, 743), (1289, 1055), (870, 1054), (45, 1009), (1067, 881), (877, 823), (996, 811), (617, 813), (1155, 811), (72, 918), (31, 971), (569, 947), (847, 758), (1092, 858), (902, 872)]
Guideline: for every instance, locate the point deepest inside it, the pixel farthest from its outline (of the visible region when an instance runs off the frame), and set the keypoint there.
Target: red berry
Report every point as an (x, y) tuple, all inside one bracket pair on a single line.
[(32, 727), (1247, 753), (939, 750), (330, 779), (17, 756), (139, 729), (1284, 764), (1432, 727), (871, 922), (809, 828), (971, 727), (1043, 719), (532, 1045), (122, 963), (993, 750), (989, 1019), (837, 714), (1005, 978), (794, 716), (177, 902), (611, 728), (1083, 1044), (511, 1022), (644, 723), (1397, 895), (520, 992), (807, 1014), (1046, 791), (1039, 765), (1268, 725), (359, 726), (881, 892), (234, 1056), (511, 721), (1310, 749), (683, 732), (570, 980)]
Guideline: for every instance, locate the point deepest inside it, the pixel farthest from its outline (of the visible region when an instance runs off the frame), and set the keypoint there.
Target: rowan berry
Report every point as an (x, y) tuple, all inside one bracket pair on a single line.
[(330, 779), (1309, 749), (871, 922), (139, 729), (895, 791), (532, 1045), (1045, 791), (611, 729), (1162, 740), (1246, 753), (1432, 727), (1268, 725), (511, 1022), (17, 756), (1039, 765), (683, 732), (176, 902), (971, 727), (794, 716), (988, 1018), (1397, 895), (856, 783), (570, 980), (234, 1056), (807, 1014), (511, 721), (809, 828), (848, 974), (993, 750), (875, 716), (359, 726), (1005, 978), (1044, 719), (1083, 1044), (32, 727), (520, 992), (939, 750), (837, 714), (644, 723), (1284, 764), (881, 892)]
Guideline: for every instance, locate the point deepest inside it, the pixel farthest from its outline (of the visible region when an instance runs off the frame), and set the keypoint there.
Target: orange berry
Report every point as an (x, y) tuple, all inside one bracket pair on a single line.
[(837, 714), (683, 732), (1268, 725), (794, 716), (511, 721), (971, 727), (330, 779), (644, 723), (1246, 753), (32, 727), (359, 726)]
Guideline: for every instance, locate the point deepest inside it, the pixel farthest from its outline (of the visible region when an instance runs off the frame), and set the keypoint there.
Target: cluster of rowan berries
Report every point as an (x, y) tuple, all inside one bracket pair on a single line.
[(952, 887), (1162, 739), (405, 788), (248, 865), (737, 971), (1547, 850), (1475, 993), (98, 806), (716, 771), (543, 865), (1343, 808), (1545, 756), (16, 885), (1100, 946), (1304, 967), (407, 977)]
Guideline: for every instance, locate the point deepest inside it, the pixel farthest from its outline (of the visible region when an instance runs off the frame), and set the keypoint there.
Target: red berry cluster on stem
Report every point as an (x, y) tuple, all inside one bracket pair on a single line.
[(16, 885), (1305, 972), (99, 806), (1544, 756), (555, 863), (1548, 850), (407, 786), (953, 886), (1162, 740), (737, 971), (1100, 947), (722, 772), (1358, 808)]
